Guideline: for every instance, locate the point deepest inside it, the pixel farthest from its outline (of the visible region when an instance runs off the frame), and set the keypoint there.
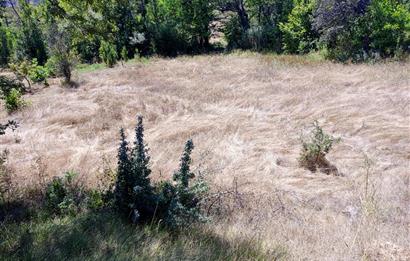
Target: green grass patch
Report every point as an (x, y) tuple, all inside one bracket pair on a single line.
[(106, 236), (86, 68)]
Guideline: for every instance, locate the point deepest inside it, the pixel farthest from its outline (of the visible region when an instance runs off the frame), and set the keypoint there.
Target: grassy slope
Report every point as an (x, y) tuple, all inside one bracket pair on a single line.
[(105, 236), (245, 113)]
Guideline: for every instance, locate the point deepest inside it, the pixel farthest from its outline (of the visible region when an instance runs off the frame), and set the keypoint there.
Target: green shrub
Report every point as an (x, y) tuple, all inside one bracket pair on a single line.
[(95, 200), (38, 73), (133, 191), (63, 196), (184, 205), (14, 101), (63, 58), (108, 54), (30, 71), (177, 205), (315, 148)]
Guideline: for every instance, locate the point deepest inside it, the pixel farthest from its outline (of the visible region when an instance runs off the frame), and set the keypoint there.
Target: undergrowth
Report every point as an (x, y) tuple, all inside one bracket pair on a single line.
[(107, 236)]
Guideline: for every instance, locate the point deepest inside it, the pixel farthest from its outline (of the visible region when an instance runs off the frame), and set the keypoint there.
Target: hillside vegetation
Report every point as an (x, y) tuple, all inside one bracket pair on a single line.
[(246, 114)]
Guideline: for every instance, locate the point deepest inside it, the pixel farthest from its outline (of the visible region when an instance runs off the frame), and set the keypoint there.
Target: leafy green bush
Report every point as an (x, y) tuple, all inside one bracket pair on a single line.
[(63, 196), (38, 73), (63, 58), (108, 54), (14, 101), (315, 148)]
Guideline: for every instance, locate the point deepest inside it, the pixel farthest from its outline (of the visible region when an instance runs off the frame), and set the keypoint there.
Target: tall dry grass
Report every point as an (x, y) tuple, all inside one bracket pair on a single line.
[(245, 114)]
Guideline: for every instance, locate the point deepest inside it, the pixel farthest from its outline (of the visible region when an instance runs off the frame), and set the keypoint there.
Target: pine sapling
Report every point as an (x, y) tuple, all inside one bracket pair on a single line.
[(143, 198), (122, 186), (183, 176)]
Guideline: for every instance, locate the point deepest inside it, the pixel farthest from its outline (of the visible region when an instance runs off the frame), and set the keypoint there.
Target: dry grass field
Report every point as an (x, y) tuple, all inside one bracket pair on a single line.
[(245, 114)]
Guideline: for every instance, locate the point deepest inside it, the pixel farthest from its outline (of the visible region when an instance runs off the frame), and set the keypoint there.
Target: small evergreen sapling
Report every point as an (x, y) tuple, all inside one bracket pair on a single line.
[(133, 191), (184, 208), (176, 204), (143, 197), (122, 193)]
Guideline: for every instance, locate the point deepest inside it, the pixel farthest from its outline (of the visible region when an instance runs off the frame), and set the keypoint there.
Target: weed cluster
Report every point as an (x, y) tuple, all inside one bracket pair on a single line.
[(314, 150)]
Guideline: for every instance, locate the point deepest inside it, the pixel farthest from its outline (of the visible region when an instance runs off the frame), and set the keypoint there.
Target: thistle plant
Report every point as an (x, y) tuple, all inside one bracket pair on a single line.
[(315, 149)]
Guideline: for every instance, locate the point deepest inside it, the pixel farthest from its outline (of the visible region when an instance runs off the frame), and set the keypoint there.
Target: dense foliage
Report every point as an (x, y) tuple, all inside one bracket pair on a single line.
[(65, 31)]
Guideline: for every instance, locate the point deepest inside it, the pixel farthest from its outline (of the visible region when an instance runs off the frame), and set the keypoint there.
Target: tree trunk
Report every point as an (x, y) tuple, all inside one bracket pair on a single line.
[(243, 15)]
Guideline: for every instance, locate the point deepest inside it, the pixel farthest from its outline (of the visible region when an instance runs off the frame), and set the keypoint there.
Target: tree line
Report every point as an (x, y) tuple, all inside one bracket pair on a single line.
[(58, 32)]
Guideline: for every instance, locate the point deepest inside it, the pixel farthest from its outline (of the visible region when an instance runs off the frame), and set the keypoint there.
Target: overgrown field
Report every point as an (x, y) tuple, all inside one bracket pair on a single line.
[(246, 114)]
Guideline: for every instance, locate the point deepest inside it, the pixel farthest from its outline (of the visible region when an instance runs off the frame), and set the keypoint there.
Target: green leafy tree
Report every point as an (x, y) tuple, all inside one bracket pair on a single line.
[(30, 39), (298, 34), (5, 50), (266, 17), (180, 26), (389, 27), (63, 57), (256, 23), (358, 30)]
